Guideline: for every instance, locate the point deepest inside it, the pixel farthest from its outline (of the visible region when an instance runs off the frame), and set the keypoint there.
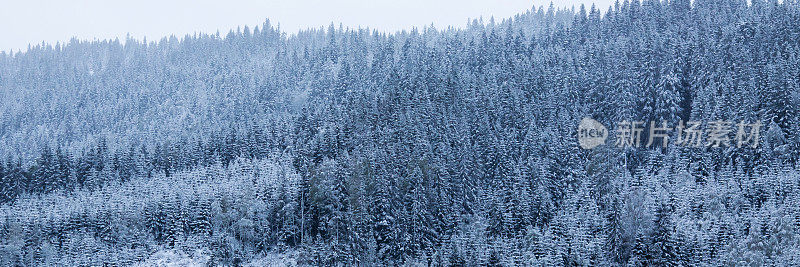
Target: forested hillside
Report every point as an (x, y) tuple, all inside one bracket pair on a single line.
[(432, 146)]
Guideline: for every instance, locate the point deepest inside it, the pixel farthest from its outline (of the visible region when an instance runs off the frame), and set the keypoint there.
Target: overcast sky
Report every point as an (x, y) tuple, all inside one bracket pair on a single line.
[(24, 22)]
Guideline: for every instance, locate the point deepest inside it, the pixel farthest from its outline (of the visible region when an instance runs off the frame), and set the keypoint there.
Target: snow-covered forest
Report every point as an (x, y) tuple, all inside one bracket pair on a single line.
[(444, 147)]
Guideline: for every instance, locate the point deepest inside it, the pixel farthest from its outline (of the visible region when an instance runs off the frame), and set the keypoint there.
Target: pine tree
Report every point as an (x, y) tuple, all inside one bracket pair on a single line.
[(664, 245)]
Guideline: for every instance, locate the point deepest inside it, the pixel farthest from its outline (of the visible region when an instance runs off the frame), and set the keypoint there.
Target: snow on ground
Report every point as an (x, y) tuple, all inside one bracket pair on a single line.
[(200, 257), (275, 260), (176, 257)]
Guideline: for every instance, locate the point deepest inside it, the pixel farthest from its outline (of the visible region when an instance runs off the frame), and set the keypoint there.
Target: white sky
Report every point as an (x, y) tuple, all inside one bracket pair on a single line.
[(24, 22)]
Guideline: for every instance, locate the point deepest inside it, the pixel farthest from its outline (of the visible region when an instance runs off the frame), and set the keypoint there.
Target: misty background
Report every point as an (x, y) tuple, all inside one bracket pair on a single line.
[(37, 21)]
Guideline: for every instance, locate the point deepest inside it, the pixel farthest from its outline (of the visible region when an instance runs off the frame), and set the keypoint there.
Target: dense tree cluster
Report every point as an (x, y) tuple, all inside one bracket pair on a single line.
[(57, 169), (451, 147)]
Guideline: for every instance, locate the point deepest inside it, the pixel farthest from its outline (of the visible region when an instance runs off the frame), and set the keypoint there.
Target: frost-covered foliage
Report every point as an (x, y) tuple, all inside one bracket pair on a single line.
[(242, 210), (432, 146)]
